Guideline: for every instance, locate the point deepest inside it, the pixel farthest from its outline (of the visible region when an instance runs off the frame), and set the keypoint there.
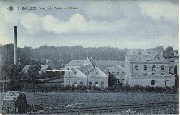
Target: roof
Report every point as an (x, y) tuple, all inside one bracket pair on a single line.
[(76, 63), (120, 67), (44, 67), (75, 73), (86, 68), (145, 56), (25, 69), (93, 62), (10, 95), (96, 72), (103, 64)]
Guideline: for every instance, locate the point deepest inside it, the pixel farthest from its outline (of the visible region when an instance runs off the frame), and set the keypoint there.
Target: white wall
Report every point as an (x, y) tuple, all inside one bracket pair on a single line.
[(160, 82), (99, 80), (73, 79)]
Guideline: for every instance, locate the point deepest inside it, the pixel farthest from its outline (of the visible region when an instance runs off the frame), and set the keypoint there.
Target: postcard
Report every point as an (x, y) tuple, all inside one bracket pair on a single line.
[(89, 57)]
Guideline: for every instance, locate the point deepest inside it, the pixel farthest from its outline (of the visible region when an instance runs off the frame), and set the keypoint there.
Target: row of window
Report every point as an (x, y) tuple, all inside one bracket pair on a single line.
[(153, 82), (81, 83), (153, 67)]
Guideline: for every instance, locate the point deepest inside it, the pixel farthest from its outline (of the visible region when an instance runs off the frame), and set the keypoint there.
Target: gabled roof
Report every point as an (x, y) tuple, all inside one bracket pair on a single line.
[(120, 67), (75, 73), (11, 95), (86, 68), (93, 62), (25, 69), (44, 67), (145, 57), (96, 72), (76, 63), (81, 62)]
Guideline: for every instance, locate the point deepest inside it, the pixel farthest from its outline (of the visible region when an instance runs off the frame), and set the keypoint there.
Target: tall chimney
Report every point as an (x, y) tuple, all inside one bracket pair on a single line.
[(15, 45)]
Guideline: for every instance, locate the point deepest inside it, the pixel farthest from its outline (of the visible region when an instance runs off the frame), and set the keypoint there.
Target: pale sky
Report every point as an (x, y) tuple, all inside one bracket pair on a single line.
[(121, 23)]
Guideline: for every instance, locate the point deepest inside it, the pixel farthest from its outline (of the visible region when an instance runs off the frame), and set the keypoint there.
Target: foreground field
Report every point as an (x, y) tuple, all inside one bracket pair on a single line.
[(56, 101)]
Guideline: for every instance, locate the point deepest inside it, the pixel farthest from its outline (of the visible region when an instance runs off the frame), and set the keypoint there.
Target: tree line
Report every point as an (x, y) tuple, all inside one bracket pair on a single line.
[(58, 56)]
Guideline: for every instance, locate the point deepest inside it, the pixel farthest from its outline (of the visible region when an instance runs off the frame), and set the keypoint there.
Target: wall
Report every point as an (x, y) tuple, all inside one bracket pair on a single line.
[(99, 80), (73, 79), (160, 82), (149, 71)]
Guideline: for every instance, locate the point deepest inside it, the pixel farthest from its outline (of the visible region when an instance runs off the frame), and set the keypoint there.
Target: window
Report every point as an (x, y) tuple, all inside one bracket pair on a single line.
[(152, 82), (75, 84), (144, 73), (75, 73), (122, 80), (153, 68), (166, 82), (145, 67), (136, 67), (118, 81), (123, 73), (162, 73), (162, 67), (96, 82), (153, 73)]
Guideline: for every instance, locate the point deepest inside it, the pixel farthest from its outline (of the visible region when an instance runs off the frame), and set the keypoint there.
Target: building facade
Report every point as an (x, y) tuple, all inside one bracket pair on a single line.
[(119, 72), (84, 73), (148, 68)]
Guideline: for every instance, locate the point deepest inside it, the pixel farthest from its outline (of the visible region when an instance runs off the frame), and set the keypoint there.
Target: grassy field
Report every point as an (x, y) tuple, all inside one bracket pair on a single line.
[(57, 100)]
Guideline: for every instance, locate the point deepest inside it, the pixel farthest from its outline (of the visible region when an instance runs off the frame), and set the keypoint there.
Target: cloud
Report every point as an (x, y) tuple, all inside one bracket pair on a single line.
[(77, 23), (95, 23), (31, 22), (158, 10)]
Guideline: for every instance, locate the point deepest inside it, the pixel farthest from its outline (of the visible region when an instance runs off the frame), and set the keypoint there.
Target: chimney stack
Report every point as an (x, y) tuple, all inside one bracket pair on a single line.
[(15, 45)]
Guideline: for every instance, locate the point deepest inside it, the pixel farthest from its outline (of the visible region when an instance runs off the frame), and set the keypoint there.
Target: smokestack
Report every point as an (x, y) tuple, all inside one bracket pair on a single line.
[(15, 45)]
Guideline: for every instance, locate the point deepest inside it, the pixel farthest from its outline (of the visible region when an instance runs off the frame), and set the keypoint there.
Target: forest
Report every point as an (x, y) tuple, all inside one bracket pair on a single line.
[(58, 56)]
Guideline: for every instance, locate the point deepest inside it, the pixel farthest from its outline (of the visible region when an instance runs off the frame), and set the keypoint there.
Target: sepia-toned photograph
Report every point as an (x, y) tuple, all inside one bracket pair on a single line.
[(89, 57)]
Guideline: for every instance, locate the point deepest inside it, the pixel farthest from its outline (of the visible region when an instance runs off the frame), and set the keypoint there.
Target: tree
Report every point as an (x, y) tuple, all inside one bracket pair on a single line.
[(169, 52), (33, 73), (111, 79), (13, 73)]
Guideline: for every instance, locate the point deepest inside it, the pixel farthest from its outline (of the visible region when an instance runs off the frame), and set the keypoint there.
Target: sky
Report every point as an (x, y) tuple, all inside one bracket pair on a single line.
[(119, 23)]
